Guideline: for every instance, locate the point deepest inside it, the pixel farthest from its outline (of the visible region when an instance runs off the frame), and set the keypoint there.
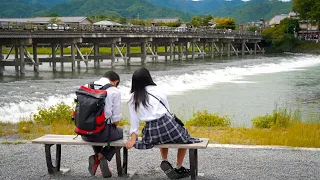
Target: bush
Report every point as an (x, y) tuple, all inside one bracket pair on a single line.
[(281, 118), (209, 120), (60, 112)]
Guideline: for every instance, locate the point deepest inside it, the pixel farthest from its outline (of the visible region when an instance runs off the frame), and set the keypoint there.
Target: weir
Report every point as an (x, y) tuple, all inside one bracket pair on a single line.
[(195, 42)]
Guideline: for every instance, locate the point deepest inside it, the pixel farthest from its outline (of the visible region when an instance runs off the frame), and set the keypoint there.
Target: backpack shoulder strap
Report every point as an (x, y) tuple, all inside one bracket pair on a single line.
[(91, 85), (106, 86)]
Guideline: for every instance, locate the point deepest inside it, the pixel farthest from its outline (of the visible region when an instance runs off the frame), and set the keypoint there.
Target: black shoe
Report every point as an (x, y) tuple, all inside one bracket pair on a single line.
[(106, 173), (183, 172), (93, 164), (169, 171)]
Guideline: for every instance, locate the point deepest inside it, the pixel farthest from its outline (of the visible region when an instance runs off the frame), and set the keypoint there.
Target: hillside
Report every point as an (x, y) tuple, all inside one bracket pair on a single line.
[(126, 8), (18, 8), (254, 10), (196, 7), (46, 3)]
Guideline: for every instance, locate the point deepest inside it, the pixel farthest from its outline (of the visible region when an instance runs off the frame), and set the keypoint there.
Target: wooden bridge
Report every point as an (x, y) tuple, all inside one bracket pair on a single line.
[(184, 44)]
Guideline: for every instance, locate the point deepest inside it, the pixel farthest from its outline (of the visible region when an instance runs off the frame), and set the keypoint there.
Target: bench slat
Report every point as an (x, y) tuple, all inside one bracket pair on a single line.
[(69, 140)]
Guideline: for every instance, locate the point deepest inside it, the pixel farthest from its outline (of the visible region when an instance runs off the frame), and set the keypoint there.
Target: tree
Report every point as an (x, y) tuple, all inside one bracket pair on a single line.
[(253, 28), (53, 15), (225, 23), (308, 10), (282, 37), (55, 20)]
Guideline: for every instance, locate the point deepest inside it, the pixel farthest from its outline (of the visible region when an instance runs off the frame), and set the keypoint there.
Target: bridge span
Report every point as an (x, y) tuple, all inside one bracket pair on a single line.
[(186, 44)]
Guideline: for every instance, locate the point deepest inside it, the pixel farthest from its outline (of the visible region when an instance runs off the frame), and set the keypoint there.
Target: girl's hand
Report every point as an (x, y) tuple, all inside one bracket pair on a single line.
[(130, 144)]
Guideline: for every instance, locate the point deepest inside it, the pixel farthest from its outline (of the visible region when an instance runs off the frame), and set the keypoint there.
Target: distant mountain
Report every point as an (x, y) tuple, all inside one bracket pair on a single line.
[(46, 3), (197, 7), (125, 8), (254, 10), (18, 8)]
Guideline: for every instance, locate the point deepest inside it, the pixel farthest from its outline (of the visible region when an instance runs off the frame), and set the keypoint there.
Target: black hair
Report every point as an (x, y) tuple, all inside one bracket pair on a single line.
[(112, 76), (140, 79)]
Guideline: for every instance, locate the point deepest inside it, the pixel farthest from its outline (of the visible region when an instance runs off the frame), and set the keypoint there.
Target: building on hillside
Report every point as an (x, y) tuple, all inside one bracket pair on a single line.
[(275, 20), (46, 20), (165, 20), (308, 31)]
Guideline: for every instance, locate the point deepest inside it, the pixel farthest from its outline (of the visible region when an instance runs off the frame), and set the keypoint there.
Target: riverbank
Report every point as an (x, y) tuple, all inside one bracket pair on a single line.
[(282, 128), (307, 47)]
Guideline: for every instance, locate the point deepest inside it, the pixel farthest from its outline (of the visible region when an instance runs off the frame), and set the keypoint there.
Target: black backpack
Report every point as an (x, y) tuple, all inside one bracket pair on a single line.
[(89, 115)]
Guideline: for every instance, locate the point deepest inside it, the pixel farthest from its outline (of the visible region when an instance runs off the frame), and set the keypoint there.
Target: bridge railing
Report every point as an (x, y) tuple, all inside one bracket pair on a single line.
[(74, 28)]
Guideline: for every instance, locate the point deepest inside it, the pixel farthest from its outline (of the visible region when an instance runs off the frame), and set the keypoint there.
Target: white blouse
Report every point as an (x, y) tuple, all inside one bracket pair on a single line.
[(153, 111)]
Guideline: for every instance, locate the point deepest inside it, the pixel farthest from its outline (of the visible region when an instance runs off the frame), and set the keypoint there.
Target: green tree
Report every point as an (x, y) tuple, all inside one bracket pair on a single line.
[(122, 20), (253, 28), (55, 20), (53, 15), (282, 37), (225, 23), (308, 10)]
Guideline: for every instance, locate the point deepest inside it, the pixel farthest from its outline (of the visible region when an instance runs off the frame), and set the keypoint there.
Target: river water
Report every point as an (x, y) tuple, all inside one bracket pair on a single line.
[(243, 87)]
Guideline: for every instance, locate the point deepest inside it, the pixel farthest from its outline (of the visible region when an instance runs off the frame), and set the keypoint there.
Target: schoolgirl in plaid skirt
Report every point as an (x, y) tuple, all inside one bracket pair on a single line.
[(149, 104)]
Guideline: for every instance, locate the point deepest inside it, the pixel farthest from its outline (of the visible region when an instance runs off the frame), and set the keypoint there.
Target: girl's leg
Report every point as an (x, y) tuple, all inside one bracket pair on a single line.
[(180, 156), (164, 154)]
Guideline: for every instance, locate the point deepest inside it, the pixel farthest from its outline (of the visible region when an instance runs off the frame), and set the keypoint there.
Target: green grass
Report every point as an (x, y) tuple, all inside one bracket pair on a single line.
[(84, 50), (283, 127)]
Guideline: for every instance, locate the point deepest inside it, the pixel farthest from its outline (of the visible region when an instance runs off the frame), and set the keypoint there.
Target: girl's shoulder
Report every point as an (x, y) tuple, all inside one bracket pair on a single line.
[(156, 91)]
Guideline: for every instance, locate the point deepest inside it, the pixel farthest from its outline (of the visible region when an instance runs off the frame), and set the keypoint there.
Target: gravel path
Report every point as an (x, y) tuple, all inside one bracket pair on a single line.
[(27, 161)]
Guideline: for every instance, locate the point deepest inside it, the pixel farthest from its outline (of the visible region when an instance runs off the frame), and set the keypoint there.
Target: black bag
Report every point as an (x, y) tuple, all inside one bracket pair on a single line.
[(173, 115)]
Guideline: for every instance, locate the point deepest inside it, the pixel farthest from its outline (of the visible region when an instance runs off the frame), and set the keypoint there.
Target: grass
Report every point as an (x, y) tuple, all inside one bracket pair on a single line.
[(84, 50), (283, 127)]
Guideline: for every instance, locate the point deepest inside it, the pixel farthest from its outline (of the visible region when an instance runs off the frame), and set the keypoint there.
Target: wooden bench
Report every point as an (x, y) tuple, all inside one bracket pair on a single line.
[(58, 140)]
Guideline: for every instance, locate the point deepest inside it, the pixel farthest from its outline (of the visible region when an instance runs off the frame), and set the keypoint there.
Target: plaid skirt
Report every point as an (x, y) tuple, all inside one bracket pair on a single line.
[(163, 131)]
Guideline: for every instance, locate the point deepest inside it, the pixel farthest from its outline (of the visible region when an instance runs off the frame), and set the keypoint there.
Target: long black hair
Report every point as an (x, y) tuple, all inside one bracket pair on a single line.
[(140, 79)]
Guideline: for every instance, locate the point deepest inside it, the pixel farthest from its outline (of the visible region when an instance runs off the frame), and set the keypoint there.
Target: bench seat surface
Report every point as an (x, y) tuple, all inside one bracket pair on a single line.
[(69, 140)]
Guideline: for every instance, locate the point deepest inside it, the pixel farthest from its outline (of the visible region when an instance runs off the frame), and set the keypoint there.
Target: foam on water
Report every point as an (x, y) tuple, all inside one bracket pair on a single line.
[(171, 84)]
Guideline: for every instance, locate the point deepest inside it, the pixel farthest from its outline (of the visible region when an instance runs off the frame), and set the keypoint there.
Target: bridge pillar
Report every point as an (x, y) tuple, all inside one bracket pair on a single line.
[(73, 63), (212, 49), (96, 53), (54, 56), (22, 65), (180, 46), (61, 56), (255, 47), (16, 56), (171, 51), (35, 58), (144, 52), (112, 54), (192, 49), (243, 47), (1, 58), (78, 60), (165, 50), (156, 49), (222, 49), (229, 48), (187, 51), (128, 54)]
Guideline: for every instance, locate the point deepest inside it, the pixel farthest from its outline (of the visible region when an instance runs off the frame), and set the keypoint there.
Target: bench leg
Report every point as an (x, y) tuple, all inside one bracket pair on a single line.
[(53, 169), (193, 158), (125, 161), (118, 159)]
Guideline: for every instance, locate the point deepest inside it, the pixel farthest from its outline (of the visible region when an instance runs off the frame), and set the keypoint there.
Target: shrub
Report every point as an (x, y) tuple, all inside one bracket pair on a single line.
[(209, 120), (60, 112), (279, 118)]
